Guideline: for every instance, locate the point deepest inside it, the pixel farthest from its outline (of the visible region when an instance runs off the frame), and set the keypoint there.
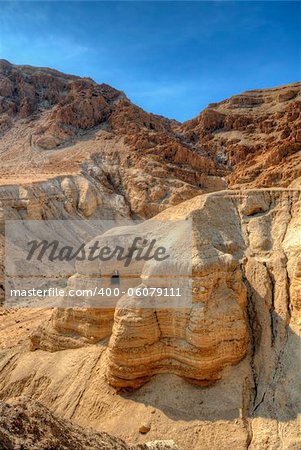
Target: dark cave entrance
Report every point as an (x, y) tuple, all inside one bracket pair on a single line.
[(115, 278)]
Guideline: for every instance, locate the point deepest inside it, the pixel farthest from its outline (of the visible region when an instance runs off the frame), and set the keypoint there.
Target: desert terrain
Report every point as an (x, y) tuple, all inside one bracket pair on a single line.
[(224, 373)]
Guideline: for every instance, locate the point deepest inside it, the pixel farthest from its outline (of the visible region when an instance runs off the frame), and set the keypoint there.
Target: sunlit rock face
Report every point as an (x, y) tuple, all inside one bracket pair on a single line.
[(196, 342), (255, 136), (94, 141), (244, 290)]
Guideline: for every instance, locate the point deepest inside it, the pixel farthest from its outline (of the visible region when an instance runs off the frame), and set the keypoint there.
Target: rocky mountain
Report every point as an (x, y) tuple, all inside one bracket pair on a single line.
[(83, 136), (59, 127), (221, 373), (255, 136)]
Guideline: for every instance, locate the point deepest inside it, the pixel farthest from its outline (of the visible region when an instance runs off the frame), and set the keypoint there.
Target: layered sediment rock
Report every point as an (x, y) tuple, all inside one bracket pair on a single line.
[(66, 197), (254, 135), (243, 328), (246, 250), (242, 242)]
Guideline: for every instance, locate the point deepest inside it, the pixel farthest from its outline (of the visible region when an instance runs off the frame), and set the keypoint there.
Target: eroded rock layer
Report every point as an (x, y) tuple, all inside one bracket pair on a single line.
[(243, 242), (53, 125), (255, 136), (245, 269)]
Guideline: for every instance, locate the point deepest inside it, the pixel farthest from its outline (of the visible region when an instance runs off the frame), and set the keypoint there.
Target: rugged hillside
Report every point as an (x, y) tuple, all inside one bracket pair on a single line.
[(55, 126), (255, 136), (71, 148)]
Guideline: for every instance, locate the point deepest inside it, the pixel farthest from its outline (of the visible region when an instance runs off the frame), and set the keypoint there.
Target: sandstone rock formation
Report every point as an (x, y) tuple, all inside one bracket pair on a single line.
[(246, 257), (244, 244)]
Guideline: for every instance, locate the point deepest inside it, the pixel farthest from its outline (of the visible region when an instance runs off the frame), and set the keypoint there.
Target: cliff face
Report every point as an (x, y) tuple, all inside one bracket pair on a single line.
[(246, 249), (255, 136)]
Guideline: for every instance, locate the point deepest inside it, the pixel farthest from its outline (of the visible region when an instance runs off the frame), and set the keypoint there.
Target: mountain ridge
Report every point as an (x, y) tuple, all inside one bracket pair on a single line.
[(251, 139)]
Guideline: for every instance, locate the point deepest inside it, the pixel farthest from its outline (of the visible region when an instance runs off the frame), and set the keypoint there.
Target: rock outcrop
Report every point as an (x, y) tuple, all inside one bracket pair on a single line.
[(255, 136), (243, 329), (245, 268), (26, 424)]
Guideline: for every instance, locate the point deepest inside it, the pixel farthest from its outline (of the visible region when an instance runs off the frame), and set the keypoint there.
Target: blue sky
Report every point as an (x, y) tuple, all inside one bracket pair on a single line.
[(170, 58)]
